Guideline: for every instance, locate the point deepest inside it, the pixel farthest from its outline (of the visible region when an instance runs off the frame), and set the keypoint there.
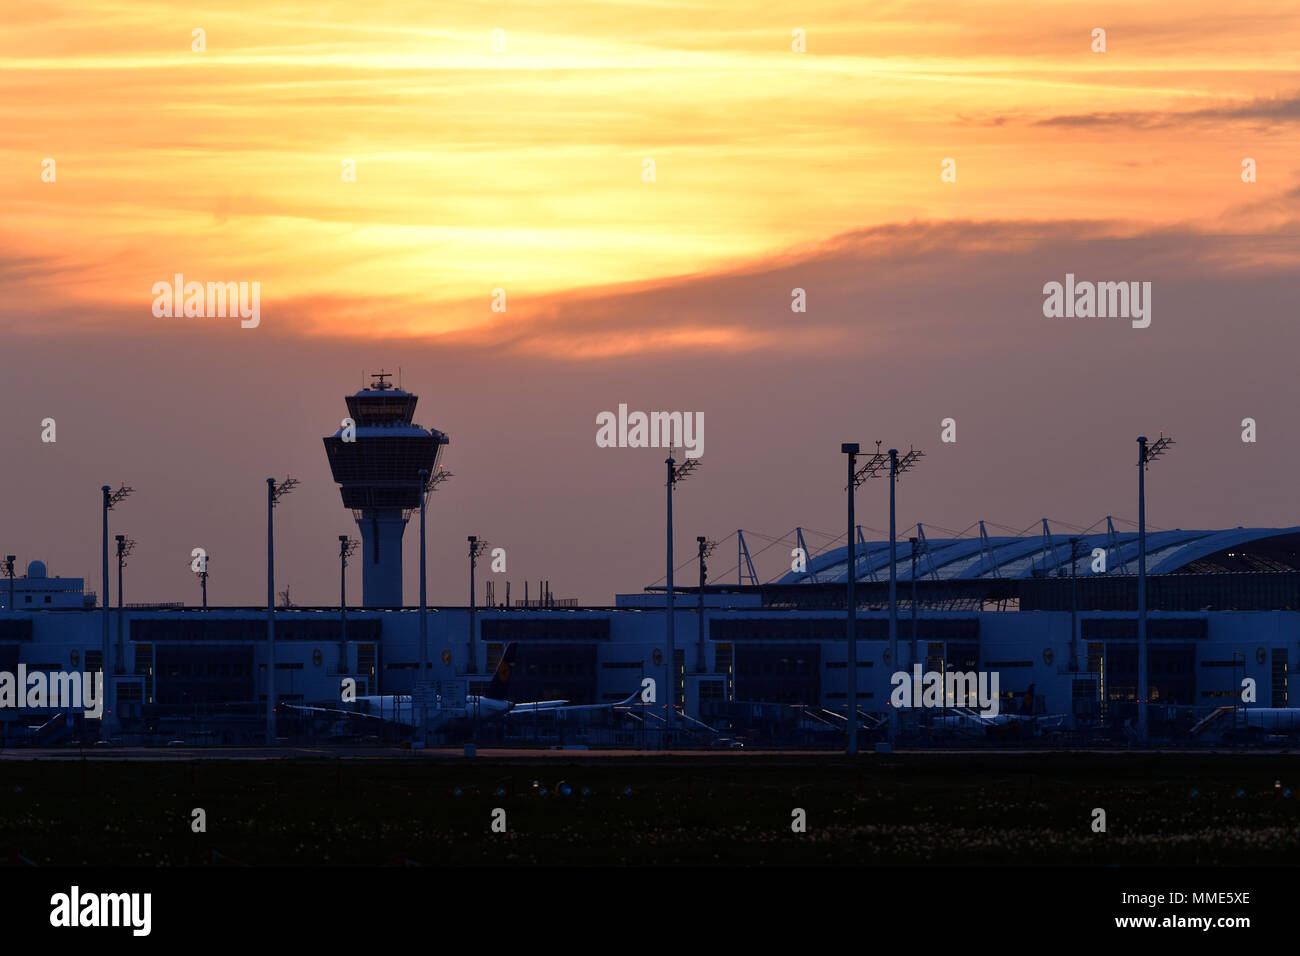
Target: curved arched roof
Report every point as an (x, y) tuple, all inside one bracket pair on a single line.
[(1038, 555)]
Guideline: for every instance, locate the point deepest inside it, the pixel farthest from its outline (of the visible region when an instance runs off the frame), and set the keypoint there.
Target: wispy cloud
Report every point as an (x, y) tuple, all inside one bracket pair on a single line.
[(1268, 112)]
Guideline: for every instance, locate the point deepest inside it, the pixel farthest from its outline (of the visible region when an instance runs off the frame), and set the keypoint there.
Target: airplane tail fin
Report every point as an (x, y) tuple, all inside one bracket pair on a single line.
[(499, 688), (631, 698)]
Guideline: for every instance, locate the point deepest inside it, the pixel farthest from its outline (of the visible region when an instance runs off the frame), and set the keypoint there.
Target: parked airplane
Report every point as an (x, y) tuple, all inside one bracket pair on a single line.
[(1278, 720), (971, 720), (494, 704)]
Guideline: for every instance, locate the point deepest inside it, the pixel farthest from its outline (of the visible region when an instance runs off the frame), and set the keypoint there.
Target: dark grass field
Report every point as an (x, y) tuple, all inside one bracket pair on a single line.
[(901, 809)]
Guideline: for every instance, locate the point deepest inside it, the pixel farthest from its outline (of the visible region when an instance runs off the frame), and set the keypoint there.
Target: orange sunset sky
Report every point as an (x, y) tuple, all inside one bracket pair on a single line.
[(522, 169)]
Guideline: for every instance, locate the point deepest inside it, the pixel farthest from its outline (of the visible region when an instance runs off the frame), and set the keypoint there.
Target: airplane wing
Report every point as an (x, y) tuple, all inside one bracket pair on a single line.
[(564, 707), (334, 712)]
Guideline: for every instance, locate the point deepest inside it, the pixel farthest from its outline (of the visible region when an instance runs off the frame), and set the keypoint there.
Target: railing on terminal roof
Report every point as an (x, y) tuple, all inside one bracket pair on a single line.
[(552, 602), (46, 584)]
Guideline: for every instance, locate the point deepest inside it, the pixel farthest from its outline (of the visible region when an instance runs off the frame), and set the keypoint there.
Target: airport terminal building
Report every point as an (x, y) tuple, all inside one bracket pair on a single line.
[(1222, 607)]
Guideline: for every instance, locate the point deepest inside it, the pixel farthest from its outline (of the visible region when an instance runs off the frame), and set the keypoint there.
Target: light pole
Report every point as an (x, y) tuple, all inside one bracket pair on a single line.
[(1074, 607), (428, 482), (9, 570), (347, 547), (111, 498), (911, 655), (1146, 455), (706, 548), (203, 580), (675, 474), (874, 468), (124, 548), (423, 717), (476, 548), (274, 492), (851, 449), (896, 467)]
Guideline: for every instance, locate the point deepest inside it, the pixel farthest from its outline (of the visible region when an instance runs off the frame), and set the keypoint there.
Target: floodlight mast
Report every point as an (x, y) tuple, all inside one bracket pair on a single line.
[(1146, 455), (428, 481), (421, 732), (437, 478), (897, 467), (676, 473), (911, 653), (274, 492), (202, 575), (1074, 608), (9, 570), (111, 498), (851, 449), (893, 465), (124, 547), (476, 548), (705, 549), (347, 548)]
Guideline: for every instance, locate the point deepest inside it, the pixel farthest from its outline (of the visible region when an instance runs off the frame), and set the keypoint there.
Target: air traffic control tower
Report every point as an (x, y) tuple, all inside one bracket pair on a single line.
[(377, 463)]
